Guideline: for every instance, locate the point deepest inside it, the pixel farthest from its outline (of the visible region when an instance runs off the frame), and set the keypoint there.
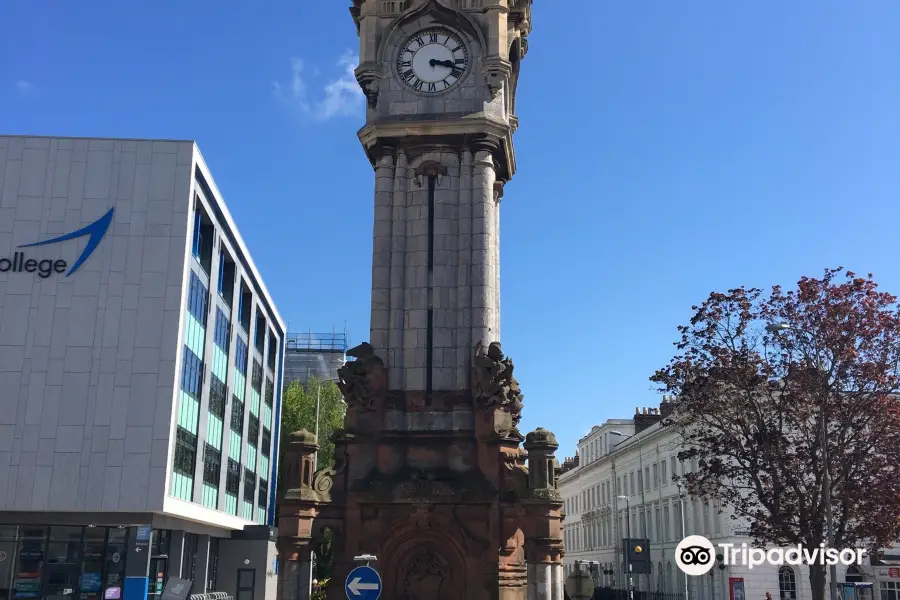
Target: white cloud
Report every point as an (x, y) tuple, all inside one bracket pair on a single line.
[(339, 96), (24, 87)]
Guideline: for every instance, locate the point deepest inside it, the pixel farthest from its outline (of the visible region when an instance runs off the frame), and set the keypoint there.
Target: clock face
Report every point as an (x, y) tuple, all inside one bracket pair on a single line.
[(432, 61)]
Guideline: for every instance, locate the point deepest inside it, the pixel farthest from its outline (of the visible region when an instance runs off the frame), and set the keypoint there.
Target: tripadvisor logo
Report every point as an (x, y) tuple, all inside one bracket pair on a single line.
[(695, 555), (20, 262)]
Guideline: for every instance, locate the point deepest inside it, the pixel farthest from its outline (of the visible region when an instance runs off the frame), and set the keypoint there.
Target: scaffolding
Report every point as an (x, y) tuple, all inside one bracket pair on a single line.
[(317, 342), (318, 355)]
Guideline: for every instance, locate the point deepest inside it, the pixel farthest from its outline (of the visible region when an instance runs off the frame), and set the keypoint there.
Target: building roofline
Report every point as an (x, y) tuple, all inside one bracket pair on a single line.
[(651, 432), (95, 137), (238, 239)]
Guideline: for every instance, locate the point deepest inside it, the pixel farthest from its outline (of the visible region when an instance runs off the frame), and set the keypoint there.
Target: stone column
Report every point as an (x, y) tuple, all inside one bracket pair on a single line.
[(557, 591), (464, 349), (381, 257), (295, 574), (296, 513), (398, 256), (496, 262), (483, 289)]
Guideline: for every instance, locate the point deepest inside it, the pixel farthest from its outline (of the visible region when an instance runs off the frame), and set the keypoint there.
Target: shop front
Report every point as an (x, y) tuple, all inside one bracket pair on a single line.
[(84, 563)]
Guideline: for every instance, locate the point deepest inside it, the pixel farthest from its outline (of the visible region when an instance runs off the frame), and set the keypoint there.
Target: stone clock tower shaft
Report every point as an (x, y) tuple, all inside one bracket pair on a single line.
[(429, 472), (440, 79)]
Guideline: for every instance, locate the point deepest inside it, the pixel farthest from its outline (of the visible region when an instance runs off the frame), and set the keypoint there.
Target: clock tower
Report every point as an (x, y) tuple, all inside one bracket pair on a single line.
[(430, 473)]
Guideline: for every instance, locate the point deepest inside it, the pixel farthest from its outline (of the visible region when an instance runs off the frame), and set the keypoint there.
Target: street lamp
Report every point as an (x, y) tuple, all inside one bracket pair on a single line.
[(826, 476), (628, 547)]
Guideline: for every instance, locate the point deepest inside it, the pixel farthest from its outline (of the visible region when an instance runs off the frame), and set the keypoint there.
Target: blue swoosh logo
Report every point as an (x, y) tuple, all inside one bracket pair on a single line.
[(96, 230)]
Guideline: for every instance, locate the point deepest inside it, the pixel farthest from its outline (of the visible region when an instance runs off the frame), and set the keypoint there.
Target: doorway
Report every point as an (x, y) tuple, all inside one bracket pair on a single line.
[(246, 583)]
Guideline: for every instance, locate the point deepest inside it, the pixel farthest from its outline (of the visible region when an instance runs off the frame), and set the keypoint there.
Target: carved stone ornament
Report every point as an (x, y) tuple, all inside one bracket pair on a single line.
[(425, 577), (323, 479), (496, 72), (493, 382), (422, 486), (361, 380), (369, 80)]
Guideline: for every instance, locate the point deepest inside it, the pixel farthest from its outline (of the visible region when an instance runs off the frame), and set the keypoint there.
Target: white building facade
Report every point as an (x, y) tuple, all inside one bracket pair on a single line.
[(637, 458), (140, 373)]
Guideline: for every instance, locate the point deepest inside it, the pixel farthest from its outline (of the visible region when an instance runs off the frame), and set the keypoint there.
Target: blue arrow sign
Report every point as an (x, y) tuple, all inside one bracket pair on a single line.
[(363, 583)]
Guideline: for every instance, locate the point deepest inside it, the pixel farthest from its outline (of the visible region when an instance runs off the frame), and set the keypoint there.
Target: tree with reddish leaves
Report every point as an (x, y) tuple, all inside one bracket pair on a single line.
[(759, 379)]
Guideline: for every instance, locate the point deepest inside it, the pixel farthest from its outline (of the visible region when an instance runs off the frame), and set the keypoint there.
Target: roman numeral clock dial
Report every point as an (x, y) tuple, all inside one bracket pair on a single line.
[(432, 61)]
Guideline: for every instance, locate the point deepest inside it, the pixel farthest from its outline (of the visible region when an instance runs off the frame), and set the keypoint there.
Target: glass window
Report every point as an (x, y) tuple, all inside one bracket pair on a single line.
[(114, 555), (890, 590), (212, 465), (63, 561), (185, 452), (787, 583), (213, 565), (664, 476), (198, 299), (249, 486), (237, 416), (92, 560), (256, 376), (217, 394), (233, 477), (240, 355), (222, 331), (7, 566), (263, 495), (191, 374), (29, 568)]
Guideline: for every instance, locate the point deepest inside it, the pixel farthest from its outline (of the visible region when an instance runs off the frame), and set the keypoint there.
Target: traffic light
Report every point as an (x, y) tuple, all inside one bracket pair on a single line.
[(637, 552)]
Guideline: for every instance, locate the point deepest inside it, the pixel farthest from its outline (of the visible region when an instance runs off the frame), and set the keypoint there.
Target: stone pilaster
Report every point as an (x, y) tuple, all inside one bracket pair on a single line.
[(398, 274), (415, 296), (444, 290), (484, 286), (381, 257), (464, 343)]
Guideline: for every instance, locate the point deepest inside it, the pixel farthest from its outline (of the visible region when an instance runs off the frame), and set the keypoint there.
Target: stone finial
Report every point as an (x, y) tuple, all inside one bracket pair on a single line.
[(304, 437), (540, 438)]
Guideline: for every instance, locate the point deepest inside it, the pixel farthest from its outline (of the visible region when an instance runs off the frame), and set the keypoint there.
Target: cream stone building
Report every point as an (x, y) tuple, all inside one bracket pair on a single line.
[(636, 458)]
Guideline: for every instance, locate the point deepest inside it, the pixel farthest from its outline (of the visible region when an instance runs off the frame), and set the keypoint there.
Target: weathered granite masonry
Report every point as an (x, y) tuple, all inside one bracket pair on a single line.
[(430, 473)]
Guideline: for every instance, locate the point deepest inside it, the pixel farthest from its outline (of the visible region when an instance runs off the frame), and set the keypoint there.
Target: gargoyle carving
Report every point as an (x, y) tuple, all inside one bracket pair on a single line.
[(493, 381), (360, 379), (369, 79)]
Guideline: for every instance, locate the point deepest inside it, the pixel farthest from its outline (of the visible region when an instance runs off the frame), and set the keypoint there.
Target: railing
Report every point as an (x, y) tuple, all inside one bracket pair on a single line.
[(211, 596), (602, 593), (317, 342)]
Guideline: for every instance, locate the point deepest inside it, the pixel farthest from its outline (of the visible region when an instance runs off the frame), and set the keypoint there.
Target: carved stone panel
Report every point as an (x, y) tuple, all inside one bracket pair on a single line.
[(425, 575)]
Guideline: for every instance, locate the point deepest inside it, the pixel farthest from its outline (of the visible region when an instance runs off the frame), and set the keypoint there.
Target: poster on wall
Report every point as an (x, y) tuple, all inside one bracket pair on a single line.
[(736, 588)]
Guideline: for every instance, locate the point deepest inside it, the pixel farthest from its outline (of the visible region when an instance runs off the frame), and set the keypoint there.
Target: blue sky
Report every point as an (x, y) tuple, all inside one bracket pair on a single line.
[(666, 149)]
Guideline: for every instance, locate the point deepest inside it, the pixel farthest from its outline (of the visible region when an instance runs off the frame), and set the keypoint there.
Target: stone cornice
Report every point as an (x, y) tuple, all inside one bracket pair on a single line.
[(460, 127)]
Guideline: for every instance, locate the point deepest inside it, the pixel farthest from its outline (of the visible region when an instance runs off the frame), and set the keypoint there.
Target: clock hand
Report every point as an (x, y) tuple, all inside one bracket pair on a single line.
[(444, 63)]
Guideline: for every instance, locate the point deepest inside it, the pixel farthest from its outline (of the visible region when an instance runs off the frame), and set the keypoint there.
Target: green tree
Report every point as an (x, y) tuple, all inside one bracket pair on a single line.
[(298, 411)]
